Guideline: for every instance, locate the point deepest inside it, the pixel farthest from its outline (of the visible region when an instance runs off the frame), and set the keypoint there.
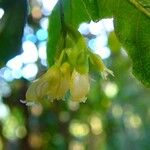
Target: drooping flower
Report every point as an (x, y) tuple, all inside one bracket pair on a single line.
[(37, 91), (60, 86), (79, 86), (52, 85)]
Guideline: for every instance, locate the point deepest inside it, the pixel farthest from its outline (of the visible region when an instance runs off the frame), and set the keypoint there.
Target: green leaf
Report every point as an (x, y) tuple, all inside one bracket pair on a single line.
[(11, 28), (106, 8), (92, 9), (73, 13), (145, 3), (132, 29), (142, 5), (76, 12), (54, 31), (113, 43)]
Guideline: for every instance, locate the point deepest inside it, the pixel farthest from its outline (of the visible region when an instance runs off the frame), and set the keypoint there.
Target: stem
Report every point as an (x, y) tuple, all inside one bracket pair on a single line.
[(74, 33), (59, 61)]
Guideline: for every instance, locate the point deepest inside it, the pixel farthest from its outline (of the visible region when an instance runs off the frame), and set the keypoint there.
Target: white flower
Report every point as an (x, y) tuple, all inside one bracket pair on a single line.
[(79, 86)]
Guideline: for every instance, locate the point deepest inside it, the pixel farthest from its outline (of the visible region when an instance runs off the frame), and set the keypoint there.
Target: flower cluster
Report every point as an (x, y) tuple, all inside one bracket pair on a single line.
[(55, 83), (70, 73)]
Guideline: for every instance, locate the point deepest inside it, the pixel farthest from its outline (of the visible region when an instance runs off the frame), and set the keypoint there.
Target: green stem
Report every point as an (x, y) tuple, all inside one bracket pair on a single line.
[(60, 60), (74, 33)]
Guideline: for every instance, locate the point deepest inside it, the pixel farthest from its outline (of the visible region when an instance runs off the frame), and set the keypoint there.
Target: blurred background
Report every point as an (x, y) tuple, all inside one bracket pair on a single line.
[(116, 115)]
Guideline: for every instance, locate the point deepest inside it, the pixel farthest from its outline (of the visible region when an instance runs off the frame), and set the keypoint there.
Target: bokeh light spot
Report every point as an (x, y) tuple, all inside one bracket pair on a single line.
[(98, 43), (76, 145), (21, 132), (10, 124), (78, 129), (111, 89), (64, 116), (37, 110), (1, 12), (1, 144), (36, 12), (4, 111), (42, 34), (15, 63), (35, 140), (135, 121), (42, 51), (44, 23), (73, 105), (30, 37), (29, 71), (84, 28), (30, 53), (16, 74), (48, 6), (108, 24), (96, 28), (28, 30), (96, 125), (117, 111), (104, 52), (7, 75), (5, 89)]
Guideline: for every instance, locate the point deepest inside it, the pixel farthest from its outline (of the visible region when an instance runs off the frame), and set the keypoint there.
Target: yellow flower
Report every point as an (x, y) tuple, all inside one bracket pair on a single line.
[(60, 84), (79, 86), (52, 85)]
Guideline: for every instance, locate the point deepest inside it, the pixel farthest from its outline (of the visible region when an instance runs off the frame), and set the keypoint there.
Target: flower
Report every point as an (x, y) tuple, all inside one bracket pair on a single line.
[(60, 86), (52, 85), (79, 86), (70, 72)]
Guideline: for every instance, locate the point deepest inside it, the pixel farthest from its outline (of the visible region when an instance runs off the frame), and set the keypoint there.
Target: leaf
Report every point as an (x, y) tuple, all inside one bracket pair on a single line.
[(106, 8), (11, 28), (92, 8), (145, 3), (74, 13), (54, 31), (113, 43), (132, 29), (142, 5)]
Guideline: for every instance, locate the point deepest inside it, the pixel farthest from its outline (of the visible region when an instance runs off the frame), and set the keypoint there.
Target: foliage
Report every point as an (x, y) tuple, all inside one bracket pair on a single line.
[(11, 28), (131, 27)]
